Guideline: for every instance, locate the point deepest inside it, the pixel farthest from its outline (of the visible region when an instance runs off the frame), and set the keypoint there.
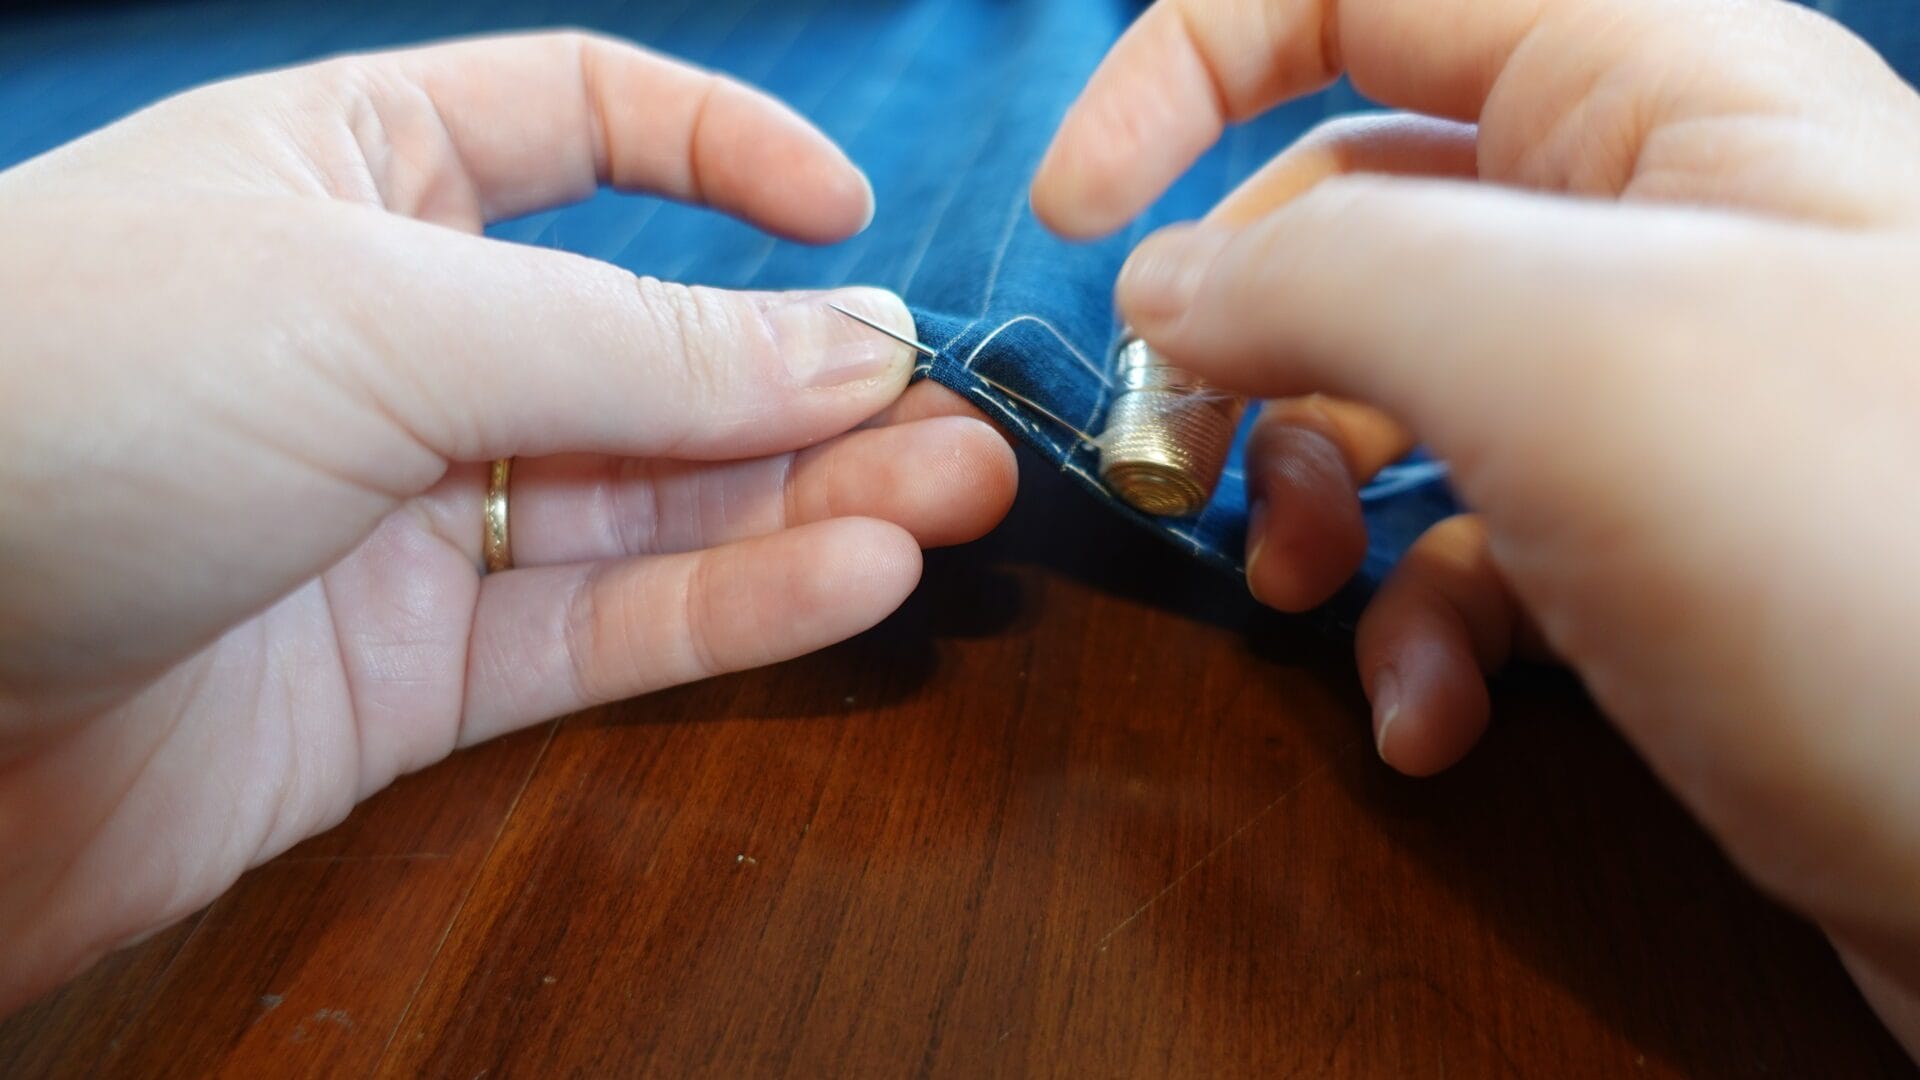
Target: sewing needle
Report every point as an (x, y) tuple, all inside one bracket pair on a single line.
[(901, 338)]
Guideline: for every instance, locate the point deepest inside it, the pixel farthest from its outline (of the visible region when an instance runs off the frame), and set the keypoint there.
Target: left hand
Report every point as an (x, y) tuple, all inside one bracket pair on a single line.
[(256, 360)]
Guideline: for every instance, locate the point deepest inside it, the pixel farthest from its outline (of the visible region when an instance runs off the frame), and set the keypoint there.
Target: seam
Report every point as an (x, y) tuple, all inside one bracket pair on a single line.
[(960, 177), (1000, 252), (760, 75), (891, 80)]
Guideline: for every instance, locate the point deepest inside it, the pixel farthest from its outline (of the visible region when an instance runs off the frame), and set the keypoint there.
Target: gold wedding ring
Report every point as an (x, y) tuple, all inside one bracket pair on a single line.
[(495, 542)]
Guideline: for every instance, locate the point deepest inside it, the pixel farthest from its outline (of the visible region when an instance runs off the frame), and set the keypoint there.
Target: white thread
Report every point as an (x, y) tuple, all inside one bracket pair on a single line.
[(1054, 330), (1395, 479), (948, 344), (1198, 546), (1067, 465), (1015, 395), (1010, 414), (993, 278)]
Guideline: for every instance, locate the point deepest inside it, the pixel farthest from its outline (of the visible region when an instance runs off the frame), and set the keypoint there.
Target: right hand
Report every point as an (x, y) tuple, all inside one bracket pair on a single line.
[(1667, 342)]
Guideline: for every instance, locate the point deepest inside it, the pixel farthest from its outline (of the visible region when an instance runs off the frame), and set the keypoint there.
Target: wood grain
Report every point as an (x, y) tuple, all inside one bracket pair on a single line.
[(305, 965), (1079, 809)]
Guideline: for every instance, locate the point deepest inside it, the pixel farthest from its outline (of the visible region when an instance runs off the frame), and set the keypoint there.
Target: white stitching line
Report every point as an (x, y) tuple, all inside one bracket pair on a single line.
[(1198, 546), (1009, 412), (892, 79), (1102, 396), (639, 225), (988, 130), (1000, 252), (991, 396), (932, 230), (641, 220), (892, 82), (759, 264), (948, 344), (680, 268), (764, 74), (1100, 399), (1054, 330)]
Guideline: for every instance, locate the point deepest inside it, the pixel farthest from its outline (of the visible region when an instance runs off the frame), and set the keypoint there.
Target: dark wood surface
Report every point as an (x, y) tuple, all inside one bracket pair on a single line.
[(1079, 809)]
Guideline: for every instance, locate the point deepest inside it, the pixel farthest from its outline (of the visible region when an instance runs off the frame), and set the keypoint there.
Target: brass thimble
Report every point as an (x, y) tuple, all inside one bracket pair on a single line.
[(1167, 435)]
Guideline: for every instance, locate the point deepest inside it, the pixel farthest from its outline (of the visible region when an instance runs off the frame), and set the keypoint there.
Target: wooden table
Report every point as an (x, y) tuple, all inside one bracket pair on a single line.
[(1079, 809)]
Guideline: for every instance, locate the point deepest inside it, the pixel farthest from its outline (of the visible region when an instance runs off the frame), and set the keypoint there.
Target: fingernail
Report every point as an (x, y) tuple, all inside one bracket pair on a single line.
[(873, 205), (1164, 274), (1256, 542), (823, 348), (1386, 707)]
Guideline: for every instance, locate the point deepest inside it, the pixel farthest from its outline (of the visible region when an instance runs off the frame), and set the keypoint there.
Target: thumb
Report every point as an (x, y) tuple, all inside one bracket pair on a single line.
[(293, 386), (486, 349), (1480, 317)]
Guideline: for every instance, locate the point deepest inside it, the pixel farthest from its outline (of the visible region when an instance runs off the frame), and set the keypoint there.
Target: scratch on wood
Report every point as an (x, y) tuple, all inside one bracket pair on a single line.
[(1101, 946), (411, 856), (413, 996)]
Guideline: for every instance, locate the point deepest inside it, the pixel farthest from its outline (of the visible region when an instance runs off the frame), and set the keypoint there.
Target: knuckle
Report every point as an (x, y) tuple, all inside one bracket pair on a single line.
[(633, 504), (1343, 129), (1354, 198), (681, 327), (1310, 411), (579, 629), (342, 82), (1302, 427), (713, 349), (577, 39), (698, 623), (1318, 225), (594, 637)]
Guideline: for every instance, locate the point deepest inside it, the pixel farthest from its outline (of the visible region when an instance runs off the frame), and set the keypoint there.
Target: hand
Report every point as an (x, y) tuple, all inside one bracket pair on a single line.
[(256, 356), (1666, 342)]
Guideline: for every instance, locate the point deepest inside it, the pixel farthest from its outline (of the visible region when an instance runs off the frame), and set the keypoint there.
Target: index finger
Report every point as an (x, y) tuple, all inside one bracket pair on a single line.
[(1188, 67), (525, 122)]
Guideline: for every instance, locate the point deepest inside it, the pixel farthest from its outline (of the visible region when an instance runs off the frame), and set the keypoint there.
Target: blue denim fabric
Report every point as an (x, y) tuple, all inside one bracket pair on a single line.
[(947, 104)]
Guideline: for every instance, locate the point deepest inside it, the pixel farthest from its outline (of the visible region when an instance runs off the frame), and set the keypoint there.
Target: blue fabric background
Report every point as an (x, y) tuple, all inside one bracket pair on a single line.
[(947, 104)]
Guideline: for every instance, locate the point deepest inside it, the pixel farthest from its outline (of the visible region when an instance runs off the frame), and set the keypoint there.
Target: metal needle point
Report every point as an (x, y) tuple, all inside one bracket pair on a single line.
[(901, 338)]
